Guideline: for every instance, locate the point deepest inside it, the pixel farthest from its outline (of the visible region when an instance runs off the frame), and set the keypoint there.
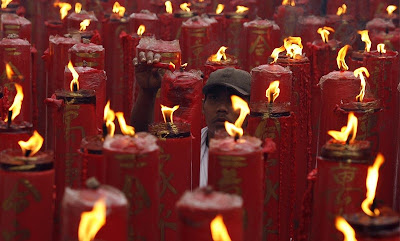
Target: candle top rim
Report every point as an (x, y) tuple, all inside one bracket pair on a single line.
[(9, 18), (87, 48), (16, 127), (245, 144), (213, 201), (92, 143), (14, 160), (158, 45), (262, 23), (143, 16), (272, 68), (176, 130), (57, 39), (357, 152), (86, 197), (141, 143), (15, 41), (82, 15)]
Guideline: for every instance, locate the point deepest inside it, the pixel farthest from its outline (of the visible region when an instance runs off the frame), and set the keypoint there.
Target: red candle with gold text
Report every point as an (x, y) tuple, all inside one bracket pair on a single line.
[(14, 24), (26, 192), (133, 166), (197, 211), (87, 54), (171, 23), (146, 18), (74, 20), (287, 17), (219, 60)]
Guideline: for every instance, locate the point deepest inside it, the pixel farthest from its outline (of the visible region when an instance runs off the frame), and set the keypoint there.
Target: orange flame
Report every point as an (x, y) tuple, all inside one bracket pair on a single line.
[(109, 117), (183, 66), (125, 129), (141, 29), (344, 133), (276, 52), (33, 145), (241, 9), (365, 39), (185, 7), (219, 55), (359, 73), (324, 32), (64, 8), (273, 91), (78, 7), (381, 48), (341, 10), (74, 85), (168, 6), (289, 2), (84, 24), (241, 105), (341, 62), (390, 9), (117, 8), (371, 183), (4, 3), (15, 108), (9, 72), (343, 226), (168, 112), (172, 64), (220, 8), (293, 46), (92, 221), (218, 229)]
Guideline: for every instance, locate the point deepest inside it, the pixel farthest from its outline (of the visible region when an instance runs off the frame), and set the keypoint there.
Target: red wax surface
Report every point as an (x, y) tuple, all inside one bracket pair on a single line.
[(287, 17), (93, 54), (17, 53), (146, 18), (93, 163), (77, 201), (377, 25), (197, 209), (233, 167), (233, 30), (263, 75), (308, 27), (27, 199), (54, 27), (14, 24), (356, 60), (262, 37), (185, 89), (216, 32), (74, 20), (168, 28), (390, 39), (9, 137), (133, 167), (90, 79)]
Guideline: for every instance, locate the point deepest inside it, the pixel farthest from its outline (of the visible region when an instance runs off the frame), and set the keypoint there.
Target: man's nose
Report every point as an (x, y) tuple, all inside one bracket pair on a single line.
[(223, 106)]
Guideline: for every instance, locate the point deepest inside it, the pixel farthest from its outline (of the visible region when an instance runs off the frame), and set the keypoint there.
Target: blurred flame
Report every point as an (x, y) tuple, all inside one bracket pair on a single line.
[(351, 128), (324, 32), (220, 8), (390, 9), (343, 226), (365, 39), (78, 7), (381, 48), (237, 104), (141, 29), (219, 55), (341, 10), (275, 53), (185, 7), (273, 91), (289, 2), (371, 183), (75, 77), (33, 144), (168, 113), (293, 46), (64, 8), (172, 64), (4, 3), (168, 6), (341, 62), (9, 72), (109, 117), (218, 229), (125, 129), (84, 24), (16, 105), (359, 73), (117, 8), (241, 9), (92, 221), (183, 66)]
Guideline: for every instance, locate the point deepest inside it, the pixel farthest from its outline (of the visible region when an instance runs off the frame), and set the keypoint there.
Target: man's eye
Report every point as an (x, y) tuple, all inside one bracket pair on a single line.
[(213, 97)]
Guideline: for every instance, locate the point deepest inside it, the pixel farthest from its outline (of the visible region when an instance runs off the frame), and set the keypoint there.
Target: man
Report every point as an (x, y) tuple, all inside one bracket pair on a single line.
[(217, 105)]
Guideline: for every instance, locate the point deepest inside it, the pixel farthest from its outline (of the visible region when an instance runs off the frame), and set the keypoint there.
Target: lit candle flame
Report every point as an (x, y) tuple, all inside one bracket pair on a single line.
[(117, 8), (74, 84), (84, 24), (241, 9), (4, 3), (32, 146), (381, 48), (78, 7), (220, 8), (168, 113), (15, 108), (241, 105), (109, 117), (183, 66), (220, 55), (92, 221), (289, 2), (341, 62), (218, 229), (371, 183), (125, 129), (324, 32), (341, 10), (365, 39), (64, 8), (276, 52), (273, 91), (345, 132), (9, 71), (390, 9), (293, 46), (185, 7), (141, 29), (168, 6), (343, 226), (359, 73), (172, 64)]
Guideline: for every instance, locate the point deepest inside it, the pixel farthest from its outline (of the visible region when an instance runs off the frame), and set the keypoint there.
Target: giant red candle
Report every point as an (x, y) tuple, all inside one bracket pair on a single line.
[(146, 18), (171, 23), (11, 135), (377, 25), (308, 27), (87, 54), (217, 61), (344, 25), (14, 24), (287, 17), (73, 21)]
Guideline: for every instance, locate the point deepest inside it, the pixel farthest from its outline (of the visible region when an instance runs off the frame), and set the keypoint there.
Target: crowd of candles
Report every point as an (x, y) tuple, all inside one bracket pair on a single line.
[(318, 157)]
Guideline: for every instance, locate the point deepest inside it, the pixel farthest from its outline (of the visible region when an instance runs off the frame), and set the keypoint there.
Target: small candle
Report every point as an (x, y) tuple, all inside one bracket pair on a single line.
[(87, 54)]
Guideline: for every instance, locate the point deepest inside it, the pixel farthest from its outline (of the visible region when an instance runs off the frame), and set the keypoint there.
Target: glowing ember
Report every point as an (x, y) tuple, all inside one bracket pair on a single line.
[(92, 221), (371, 183), (84, 24), (341, 10), (365, 39), (343, 226), (125, 129), (168, 113), (168, 6), (32, 146), (218, 229), (141, 29), (349, 131), (276, 52), (273, 91), (9, 72), (238, 104), (15, 108), (64, 8), (220, 8), (185, 7), (381, 48), (341, 62), (109, 117), (289, 2), (359, 73), (4, 3), (241, 9), (293, 46), (78, 7), (324, 32), (390, 9), (117, 8), (220, 55), (74, 85)]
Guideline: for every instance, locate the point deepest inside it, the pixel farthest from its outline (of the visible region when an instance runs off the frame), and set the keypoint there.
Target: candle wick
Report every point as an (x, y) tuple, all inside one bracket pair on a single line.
[(373, 205), (9, 118), (236, 137), (75, 87), (27, 153), (105, 130)]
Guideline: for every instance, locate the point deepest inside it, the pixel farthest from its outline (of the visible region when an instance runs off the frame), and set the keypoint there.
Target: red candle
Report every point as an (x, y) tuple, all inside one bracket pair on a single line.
[(308, 27), (217, 29), (54, 27), (349, 8), (217, 61), (287, 17), (233, 29), (11, 135), (146, 18), (133, 167), (171, 24), (26, 194), (14, 24), (390, 39), (92, 159), (345, 27), (87, 54), (73, 21), (77, 201), (198, 209), (377, 25)]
